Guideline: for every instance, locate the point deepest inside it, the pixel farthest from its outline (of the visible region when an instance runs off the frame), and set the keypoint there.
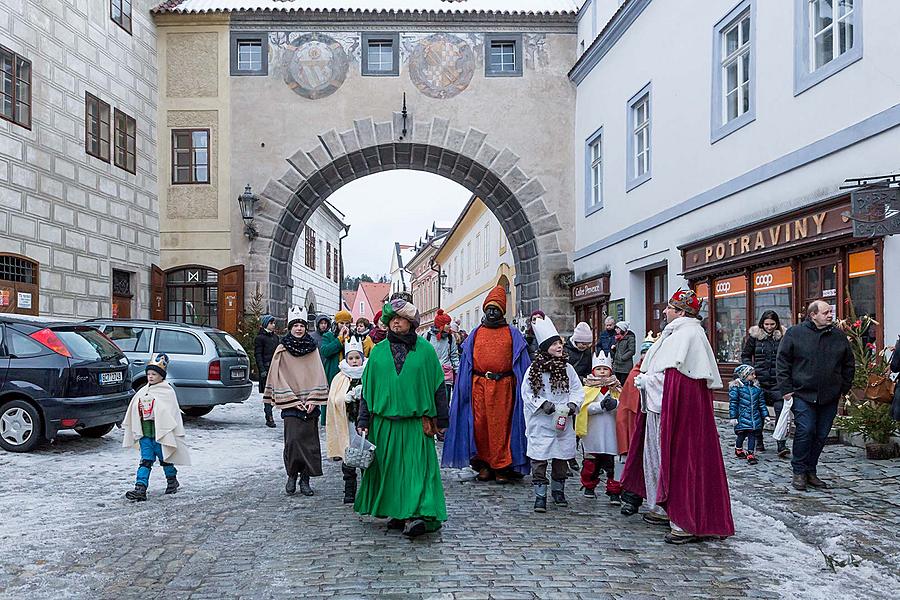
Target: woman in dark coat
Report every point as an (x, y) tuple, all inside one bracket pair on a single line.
[(623, 351), (760, 350), (263, 349)]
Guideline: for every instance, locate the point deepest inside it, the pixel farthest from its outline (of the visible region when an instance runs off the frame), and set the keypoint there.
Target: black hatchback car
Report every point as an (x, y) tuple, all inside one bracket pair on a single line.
[(58, 376)]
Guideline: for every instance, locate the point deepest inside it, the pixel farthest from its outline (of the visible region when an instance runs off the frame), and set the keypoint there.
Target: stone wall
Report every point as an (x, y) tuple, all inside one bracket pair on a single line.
[(78, 216)]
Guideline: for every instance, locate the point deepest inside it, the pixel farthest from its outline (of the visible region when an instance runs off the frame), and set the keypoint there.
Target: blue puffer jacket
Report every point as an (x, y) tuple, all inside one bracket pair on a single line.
[(747, 405)]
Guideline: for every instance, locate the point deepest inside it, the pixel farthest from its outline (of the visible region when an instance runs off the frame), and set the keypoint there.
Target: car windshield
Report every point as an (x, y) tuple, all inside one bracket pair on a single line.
[(226, 346), (89, 344)]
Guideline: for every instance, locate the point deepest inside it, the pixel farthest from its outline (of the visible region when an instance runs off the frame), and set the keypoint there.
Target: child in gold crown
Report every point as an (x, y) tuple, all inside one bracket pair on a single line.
[(153, 424)]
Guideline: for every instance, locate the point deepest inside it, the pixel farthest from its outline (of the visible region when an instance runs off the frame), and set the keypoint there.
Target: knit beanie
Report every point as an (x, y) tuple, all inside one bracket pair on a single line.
[(442, 319), (343, 316), (582, 334), (265, 320), (742, 372), (496, 297), (159, 364)]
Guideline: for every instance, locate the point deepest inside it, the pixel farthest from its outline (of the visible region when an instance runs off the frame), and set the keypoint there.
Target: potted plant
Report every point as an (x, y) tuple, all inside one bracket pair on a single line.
[(874, 423)]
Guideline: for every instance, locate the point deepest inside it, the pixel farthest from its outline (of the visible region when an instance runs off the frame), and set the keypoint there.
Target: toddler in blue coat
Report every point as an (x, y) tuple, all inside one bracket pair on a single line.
[(747, 408)]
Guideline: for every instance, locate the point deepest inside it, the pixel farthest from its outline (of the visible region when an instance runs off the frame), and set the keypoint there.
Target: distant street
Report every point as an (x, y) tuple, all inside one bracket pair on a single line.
[(232, 533)]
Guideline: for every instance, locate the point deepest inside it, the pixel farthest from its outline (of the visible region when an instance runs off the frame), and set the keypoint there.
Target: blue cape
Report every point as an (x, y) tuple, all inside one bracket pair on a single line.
[(459, 442)]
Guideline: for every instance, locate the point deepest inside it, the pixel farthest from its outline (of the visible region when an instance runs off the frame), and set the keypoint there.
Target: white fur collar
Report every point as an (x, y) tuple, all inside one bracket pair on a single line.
[(683, 346), (760, 333)]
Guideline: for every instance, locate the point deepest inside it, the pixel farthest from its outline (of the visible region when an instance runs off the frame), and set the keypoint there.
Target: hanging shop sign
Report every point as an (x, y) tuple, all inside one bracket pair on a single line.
[(590, 289), (799, 228)]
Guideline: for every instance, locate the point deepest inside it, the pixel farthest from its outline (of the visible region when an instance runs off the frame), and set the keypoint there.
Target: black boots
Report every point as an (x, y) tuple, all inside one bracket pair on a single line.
[(558, 491), (540, 498), (630, 503), (270, 422), (799, 481), (291, 486), (783, 450), (304, 485), (172, 485), (138, 494), (349, 490)]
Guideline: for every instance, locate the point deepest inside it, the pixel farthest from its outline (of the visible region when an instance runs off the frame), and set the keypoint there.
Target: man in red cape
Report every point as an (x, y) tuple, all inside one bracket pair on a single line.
[(674, 459)]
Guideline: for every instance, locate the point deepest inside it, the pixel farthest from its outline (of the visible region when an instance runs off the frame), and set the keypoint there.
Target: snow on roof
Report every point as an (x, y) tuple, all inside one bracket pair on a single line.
[(374, 6)]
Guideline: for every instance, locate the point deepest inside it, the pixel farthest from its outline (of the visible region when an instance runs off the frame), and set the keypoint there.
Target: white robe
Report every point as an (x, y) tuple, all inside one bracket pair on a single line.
[(601, 433), (166, 420), (545, 441)]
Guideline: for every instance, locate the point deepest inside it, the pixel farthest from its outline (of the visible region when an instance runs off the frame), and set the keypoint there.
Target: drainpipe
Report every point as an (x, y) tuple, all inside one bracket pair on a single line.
[(438, 271), (341, 276)]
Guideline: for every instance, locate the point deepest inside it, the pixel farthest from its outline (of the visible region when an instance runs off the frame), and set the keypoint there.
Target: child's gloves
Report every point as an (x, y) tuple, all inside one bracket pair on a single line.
[(639, 381), (733, 421), (548, 407), (609, 403), (573, 408)]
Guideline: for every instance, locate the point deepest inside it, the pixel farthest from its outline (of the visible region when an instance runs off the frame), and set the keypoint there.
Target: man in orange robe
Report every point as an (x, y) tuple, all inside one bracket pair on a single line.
[(487, 423)]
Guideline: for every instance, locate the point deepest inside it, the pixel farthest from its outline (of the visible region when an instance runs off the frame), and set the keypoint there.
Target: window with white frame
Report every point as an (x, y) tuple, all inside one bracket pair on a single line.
[(249, 55), (487, 244), (380, 54), (477, 251), (595, 172), (638, 142), (830, 30), (469, 269), (736, 68), (503, 55), (828, 38)]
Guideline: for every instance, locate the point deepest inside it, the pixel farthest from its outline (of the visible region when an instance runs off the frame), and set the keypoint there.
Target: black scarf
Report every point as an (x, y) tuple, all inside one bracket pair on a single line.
[(500, 322), (401, 345), (298, 346), (556, 366)]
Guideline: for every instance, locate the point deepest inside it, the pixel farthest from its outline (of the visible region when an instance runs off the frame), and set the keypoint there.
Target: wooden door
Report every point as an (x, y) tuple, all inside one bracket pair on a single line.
[(657, 289), (158, 310), (820, 279), (231, 298)]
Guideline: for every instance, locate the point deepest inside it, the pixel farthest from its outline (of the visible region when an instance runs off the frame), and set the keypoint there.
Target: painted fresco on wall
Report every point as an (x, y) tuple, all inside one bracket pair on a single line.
[(314, 65), (442, 65)]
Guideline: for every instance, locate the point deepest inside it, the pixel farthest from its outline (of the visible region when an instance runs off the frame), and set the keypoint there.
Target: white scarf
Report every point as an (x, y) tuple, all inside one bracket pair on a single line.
[(683, 346), (352, 372)]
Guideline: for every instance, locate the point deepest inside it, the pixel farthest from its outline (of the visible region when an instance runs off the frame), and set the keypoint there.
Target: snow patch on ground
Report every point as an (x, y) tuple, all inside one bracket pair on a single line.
[(797, 567)]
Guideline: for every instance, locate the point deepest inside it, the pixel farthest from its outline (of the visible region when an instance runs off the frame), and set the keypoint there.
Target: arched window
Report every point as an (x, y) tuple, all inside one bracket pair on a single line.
[(192, 295), (19, 284)]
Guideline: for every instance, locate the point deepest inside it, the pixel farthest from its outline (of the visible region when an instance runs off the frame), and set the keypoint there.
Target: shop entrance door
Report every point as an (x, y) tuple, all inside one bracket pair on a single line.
[(657, 289), (820, 280)]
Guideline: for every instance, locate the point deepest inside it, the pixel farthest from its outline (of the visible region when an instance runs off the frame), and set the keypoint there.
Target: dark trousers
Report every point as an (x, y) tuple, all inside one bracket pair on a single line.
[(266, 407), (751, 436), (812, 422), (778, 405), (349, 473), (558, 470)]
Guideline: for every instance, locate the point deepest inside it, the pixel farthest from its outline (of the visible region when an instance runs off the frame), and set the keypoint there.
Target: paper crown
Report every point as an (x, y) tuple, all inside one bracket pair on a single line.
[(648, 341), (687, 301), (159, 363), (353, 345), (544, 329), (601, 360), (296, 313)]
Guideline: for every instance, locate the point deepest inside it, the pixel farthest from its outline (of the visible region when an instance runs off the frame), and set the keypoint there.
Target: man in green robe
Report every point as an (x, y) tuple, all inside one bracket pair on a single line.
[(403, 405)]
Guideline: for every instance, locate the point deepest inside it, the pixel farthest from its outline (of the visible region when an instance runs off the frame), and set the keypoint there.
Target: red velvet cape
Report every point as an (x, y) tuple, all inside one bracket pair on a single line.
[(693, 488)]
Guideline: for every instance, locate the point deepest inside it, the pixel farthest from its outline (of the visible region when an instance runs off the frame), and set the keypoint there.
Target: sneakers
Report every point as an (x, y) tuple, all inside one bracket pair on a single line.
[(138, 494), (172, 485), (739, 453), (751, 459), (589, 493), (614, 499), (799, 481), (813, 480), (654, 519)]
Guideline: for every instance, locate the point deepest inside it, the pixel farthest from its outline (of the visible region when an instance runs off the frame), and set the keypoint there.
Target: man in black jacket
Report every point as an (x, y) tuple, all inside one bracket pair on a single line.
[(263, 349), (814, 367)]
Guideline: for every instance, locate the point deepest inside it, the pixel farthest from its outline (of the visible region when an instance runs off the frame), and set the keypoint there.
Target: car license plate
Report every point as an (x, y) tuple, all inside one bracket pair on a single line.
[(238, 373), (110, 378)]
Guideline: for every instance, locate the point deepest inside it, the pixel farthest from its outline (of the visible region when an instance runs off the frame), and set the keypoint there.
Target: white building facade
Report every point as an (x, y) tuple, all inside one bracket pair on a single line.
[(475, 257), (79, 219), (316, 264), (714, 144)]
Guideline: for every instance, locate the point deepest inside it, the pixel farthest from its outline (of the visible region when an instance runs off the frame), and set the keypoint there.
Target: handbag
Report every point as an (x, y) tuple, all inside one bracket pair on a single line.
[(880, 389), (360, 453)]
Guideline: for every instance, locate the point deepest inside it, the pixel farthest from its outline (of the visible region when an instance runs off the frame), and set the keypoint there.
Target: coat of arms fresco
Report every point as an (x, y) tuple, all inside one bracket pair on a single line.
[(442, 65), (314, 65)]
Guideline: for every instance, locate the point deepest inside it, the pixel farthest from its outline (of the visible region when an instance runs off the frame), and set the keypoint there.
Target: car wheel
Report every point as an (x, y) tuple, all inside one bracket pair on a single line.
[(21, 426), (196, 411), (95, 432)]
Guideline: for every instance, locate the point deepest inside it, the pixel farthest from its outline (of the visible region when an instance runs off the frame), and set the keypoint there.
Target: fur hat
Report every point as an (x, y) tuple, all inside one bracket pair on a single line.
[(400, 308), (343, 316), (295, 314), (601, 360), (442, 319), (687, 301), (353, 345), (623, 326), (496, 297), (545, 333), (582, 334), (648, 341), (158, 364), (265, 320)]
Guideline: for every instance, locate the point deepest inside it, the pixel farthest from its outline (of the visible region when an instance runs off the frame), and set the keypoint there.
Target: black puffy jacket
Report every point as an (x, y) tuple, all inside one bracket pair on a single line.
[(816, 365), (760, 350), (580, 361), (263, 349)]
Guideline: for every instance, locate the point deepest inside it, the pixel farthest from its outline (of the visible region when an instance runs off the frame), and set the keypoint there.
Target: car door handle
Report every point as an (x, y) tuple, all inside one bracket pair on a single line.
[(137, 362)]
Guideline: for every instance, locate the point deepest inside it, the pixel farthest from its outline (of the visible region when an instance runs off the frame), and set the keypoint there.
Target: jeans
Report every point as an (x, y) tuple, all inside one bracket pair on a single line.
[(150, 451), (812, 422), (751, 435)]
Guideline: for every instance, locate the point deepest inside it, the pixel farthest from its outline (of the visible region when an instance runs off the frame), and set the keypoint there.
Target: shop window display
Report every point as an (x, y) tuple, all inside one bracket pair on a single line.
[(731, 317), (772, 291)]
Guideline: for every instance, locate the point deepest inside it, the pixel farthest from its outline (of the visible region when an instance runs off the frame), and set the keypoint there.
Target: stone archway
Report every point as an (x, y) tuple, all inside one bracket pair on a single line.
[(464, 156)]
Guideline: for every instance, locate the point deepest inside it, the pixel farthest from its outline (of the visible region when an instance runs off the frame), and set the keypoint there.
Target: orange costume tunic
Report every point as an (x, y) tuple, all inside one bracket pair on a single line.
[(492, 401)]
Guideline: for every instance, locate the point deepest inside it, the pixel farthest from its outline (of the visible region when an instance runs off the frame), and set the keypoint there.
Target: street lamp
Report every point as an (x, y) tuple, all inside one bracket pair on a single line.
[(246, 202), (444, 286)]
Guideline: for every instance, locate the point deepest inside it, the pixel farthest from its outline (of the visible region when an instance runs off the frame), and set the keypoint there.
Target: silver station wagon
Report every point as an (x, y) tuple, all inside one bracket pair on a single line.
[(207, 366)]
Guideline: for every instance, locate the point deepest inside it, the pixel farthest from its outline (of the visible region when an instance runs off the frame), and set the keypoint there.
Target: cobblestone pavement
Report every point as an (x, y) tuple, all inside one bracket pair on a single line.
[(232, 533)]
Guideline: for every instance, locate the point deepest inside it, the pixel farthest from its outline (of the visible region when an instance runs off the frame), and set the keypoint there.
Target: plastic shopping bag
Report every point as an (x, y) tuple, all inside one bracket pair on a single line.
[(783, 427)]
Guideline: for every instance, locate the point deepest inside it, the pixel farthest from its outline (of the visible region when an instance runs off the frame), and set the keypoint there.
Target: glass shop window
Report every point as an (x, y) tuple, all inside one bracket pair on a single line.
[(702, 291), (862, 283), (731, 317), (772, 291)]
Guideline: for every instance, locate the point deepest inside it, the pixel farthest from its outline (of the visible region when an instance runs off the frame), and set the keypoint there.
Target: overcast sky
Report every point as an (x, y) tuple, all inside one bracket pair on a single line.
[(393, 206)]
